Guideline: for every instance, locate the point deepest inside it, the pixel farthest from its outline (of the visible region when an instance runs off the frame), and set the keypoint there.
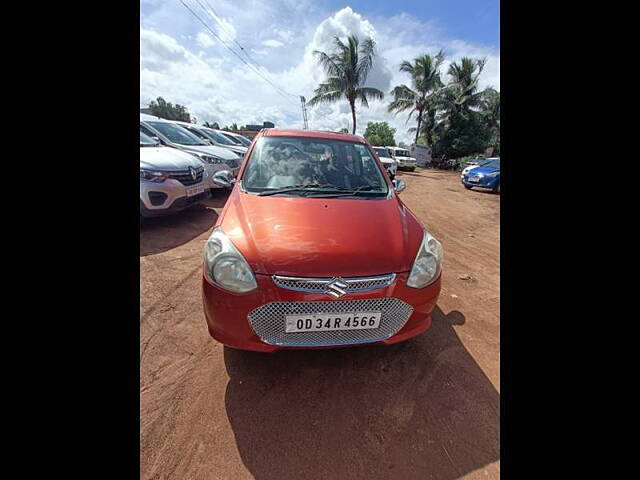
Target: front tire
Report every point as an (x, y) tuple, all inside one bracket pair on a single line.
[(468, 187), (496, 189)]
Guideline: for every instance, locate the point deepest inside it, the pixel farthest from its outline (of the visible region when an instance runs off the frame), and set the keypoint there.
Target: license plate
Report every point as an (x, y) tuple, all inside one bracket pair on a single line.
[(334, 321), (195, 190)]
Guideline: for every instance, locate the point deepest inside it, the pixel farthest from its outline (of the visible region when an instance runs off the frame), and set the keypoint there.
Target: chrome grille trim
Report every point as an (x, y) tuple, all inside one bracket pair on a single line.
[(268, 322), (319, 285)]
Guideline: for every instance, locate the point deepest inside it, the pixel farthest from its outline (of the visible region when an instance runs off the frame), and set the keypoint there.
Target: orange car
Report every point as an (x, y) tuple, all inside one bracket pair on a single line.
[(314, 249)]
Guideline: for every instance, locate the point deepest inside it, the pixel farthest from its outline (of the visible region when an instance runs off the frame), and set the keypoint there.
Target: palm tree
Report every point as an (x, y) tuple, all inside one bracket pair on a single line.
[(421, 99), (347, 68), (490, 111), (464, 84)]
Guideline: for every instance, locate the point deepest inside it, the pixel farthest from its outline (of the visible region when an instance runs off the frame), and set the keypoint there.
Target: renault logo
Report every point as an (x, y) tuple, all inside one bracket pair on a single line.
[(194, 175), (335, 288)]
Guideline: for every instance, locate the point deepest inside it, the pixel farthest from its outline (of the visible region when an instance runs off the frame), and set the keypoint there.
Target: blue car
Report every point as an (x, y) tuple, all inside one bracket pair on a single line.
[(485, 175)]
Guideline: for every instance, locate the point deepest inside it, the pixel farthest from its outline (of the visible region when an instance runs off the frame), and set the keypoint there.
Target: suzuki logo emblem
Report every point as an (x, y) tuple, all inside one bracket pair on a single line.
[(194, 174), (335, 288)]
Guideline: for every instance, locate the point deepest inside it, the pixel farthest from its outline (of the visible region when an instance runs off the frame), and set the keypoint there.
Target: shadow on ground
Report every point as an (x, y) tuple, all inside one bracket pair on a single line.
[(160, 234), (416, 410)]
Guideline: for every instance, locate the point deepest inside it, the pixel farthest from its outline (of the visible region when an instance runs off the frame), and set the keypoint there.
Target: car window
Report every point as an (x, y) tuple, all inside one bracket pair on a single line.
[(279, 162), (147, 131), (196, 132), (217, 137), (146, 141), (233, 139), (176, 134), (491, 164)]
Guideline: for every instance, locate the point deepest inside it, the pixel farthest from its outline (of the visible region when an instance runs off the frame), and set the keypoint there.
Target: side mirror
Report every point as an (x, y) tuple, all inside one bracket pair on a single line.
[(157, 140), (223, 178), (399, 185)]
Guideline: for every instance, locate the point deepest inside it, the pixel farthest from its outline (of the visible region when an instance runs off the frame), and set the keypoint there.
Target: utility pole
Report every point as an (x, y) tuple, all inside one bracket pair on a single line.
[(304, 112)]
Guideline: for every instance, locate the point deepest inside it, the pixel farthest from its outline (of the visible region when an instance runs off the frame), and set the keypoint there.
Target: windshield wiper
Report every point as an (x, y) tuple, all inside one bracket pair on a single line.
[(345, 192), (309, 187)]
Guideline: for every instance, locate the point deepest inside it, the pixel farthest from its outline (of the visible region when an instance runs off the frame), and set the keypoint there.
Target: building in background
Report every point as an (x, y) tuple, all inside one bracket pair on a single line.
[(422, 154)]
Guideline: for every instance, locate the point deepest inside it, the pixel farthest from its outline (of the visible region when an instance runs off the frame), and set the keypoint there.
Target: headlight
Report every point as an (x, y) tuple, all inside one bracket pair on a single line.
[(225, 266), (493, 175), (153, 175), (427, 264), (209, 158)]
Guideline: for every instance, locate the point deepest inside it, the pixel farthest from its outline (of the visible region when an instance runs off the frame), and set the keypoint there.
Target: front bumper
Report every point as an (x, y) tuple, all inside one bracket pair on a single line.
[(406, 164), (484, 182), (168, 197), (226, 313)]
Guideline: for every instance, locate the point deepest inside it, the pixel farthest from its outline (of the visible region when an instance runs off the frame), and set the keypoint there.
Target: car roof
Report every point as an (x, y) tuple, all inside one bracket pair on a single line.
[(276, 132), (146, 117)]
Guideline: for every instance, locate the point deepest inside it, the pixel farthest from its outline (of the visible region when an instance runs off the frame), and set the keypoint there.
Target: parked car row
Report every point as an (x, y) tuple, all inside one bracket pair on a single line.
[(401, 156), (180, 164), (387, 160), (485, 174)]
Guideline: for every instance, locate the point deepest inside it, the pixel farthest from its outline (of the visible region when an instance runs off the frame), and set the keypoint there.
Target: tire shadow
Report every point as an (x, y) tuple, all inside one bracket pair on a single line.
[(418, 409), (160, 234)]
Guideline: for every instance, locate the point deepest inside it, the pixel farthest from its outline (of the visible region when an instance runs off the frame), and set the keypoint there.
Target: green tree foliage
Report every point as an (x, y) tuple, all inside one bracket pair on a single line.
[(457, 119), (160, 108), (380, 133), (347, 68), (420, 99), (212, 125), (490, 111)]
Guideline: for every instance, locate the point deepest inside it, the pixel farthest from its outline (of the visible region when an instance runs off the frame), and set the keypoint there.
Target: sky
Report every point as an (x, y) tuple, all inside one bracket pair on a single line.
[(182, 61)]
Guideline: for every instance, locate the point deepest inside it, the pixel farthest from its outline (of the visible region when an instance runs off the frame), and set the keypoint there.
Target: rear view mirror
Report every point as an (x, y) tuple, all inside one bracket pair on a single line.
[(399, 185), (223, 178)]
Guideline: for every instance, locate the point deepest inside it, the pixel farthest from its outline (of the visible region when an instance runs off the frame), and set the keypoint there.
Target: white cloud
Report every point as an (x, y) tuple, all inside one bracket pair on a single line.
[(200, 73), (204, 40), (272, 43)]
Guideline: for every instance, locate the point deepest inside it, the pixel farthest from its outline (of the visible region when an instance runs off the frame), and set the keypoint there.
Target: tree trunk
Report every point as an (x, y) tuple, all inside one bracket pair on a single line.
[(418, 130), (353, 115)]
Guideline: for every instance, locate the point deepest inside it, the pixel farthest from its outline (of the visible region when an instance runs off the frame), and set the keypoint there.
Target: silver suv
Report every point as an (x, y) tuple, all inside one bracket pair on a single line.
[(172, 135), (170, 180)]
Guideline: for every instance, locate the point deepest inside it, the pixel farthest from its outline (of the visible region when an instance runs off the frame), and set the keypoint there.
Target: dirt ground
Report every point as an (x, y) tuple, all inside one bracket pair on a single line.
[(427, 408)]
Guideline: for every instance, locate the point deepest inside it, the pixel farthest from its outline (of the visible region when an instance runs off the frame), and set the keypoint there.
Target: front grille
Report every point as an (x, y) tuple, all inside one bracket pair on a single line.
[(268, 321), (185, 178), (319, 285)]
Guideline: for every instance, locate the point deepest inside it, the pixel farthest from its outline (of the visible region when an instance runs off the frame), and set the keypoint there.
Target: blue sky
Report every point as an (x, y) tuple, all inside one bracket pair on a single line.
[(183, 62), (476, 21)]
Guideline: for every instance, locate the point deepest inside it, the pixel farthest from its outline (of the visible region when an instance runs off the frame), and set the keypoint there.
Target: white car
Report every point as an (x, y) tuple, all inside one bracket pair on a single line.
[(237, 138), (387, 160), (215, 137), (403, 157), (172, 135), (170, 179)]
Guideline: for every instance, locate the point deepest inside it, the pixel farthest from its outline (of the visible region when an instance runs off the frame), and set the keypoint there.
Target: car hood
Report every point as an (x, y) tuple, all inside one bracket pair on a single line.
[(220, 152), (240, 150), (165, 158), (322, 237), (483, 170)]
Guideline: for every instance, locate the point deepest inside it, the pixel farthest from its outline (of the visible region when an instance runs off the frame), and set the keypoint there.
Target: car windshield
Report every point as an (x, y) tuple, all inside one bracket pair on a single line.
[(217, 137), (402, 153), (176, 134), (313, 167), (234, 140), (243, 140), (382, 152), (494, 163), (146, 141)]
